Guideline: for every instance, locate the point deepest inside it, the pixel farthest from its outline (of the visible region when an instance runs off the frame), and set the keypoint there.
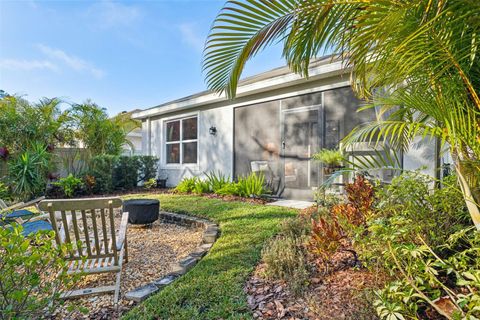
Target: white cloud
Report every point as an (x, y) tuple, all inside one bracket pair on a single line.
[(190, 37), (17, 64), (109, 14), (71, 61)]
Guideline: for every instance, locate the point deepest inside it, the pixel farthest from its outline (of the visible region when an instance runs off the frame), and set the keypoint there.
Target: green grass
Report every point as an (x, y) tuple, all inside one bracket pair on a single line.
[(213, 289)]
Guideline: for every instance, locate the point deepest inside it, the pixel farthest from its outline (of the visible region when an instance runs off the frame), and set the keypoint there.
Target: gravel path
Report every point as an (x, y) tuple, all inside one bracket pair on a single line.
[(152, 250)]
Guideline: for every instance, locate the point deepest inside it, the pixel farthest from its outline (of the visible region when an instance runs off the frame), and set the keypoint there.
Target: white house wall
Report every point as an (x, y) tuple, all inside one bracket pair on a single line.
[(215, 152)]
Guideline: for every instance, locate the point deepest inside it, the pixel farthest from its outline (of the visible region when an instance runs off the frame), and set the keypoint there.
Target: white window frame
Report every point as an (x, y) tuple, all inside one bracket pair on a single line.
[(180, 141)]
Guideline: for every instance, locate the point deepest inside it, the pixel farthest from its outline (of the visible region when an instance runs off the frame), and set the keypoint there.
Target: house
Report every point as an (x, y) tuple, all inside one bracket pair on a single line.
[(276, 122)]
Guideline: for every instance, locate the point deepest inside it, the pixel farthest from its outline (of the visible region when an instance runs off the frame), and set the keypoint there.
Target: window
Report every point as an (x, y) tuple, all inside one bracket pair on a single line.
[(181, 140)]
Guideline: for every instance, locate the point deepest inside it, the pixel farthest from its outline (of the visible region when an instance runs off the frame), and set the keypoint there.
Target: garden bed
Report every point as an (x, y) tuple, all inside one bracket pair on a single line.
[(152, 252)]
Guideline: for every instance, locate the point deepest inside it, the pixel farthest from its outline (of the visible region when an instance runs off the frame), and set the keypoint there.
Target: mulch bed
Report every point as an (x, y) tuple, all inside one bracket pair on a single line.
[(152, 251), (338, 295)]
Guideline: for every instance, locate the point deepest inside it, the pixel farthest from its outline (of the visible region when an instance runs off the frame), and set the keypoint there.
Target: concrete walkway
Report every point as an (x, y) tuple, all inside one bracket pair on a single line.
[(295, 204)]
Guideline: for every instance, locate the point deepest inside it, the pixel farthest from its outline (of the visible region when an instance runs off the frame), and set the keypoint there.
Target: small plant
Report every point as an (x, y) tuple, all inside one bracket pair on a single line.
[(229, 189), (331, 158), (285, 259), (186, 185), (252, 185), (201, 187), (69, 185), (217, 181), (325, 237), (31, 273), (150, 183)]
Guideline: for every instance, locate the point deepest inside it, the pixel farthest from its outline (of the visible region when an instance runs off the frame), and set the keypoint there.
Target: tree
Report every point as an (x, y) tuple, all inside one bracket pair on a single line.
[(99, 133), (425, 53)]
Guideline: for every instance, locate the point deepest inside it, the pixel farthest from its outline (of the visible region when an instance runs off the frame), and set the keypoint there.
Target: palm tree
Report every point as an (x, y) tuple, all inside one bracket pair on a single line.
[(424, 53), (99, 133)]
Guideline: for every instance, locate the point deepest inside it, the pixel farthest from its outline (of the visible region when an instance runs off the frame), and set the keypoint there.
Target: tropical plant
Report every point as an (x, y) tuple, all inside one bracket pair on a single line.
[(423, 53), (332, 158), (28, 172), (69, 185)]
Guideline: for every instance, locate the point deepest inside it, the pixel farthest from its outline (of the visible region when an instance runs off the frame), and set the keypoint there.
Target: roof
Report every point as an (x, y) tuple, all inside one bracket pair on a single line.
[(270, 80)]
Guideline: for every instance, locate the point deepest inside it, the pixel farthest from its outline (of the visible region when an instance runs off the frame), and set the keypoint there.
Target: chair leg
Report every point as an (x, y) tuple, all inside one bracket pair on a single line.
[(126, 249), (117, 288)]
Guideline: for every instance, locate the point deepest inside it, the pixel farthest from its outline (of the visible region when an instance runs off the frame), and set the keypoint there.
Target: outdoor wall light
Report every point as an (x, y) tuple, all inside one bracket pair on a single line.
[(213, 131)]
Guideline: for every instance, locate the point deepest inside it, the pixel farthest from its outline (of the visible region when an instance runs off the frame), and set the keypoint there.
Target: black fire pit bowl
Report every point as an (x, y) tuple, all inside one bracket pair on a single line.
[(141, 211)]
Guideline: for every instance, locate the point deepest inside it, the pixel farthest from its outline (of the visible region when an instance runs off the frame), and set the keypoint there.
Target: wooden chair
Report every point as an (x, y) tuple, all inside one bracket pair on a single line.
[(89, 226)]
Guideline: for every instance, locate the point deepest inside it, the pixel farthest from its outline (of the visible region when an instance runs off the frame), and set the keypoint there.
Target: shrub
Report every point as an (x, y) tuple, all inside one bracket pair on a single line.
[(148, 167), (150, 183), (102, 170), (70, 185), (251, 185), (31, 273), (329, 157), (125, 172), (186, 185)]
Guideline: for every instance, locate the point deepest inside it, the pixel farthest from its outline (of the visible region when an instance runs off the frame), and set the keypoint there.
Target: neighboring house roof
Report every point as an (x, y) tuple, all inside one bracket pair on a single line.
[(274, 79)]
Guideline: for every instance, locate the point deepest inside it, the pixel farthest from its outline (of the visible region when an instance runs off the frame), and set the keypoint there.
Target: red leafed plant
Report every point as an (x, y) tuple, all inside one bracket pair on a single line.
[(325, 238), (360, 195), (328, 234)]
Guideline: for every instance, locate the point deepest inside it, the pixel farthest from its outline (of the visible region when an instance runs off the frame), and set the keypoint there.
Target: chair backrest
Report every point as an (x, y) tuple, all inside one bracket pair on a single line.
[(87, 224)]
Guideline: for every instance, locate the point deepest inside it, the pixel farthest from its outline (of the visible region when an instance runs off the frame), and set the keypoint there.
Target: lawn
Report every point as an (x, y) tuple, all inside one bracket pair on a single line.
[(213, 289)]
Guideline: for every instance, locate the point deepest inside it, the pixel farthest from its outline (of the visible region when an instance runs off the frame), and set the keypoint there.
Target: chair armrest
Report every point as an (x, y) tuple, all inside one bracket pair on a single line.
[(123, 231)]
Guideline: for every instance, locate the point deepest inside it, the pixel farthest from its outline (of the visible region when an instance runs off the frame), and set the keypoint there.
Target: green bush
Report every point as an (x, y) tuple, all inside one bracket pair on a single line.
[(125, 172), (101, 169), (186, 185), (252, 185), (70, 185), (31, 273), (148, 167)]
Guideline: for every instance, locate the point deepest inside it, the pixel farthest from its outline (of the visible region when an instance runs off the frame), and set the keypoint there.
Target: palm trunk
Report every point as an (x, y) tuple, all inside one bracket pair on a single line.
[(472, 205)]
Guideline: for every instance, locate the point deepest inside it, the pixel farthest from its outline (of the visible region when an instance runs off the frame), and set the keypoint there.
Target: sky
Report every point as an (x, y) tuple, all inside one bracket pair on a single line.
[(122, 55)]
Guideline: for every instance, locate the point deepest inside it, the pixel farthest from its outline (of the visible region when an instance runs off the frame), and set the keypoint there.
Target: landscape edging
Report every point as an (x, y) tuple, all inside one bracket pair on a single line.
[(210, 234)]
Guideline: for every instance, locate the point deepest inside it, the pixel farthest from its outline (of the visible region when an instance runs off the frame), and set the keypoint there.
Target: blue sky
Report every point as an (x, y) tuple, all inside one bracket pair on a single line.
[(122, 55)]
